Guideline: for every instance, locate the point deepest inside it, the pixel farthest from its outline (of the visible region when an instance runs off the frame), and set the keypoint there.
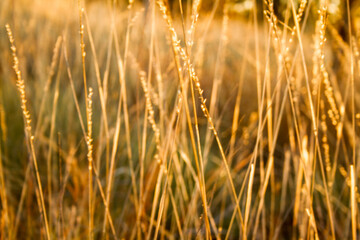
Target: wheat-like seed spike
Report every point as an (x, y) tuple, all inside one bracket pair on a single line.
[(27, 119)]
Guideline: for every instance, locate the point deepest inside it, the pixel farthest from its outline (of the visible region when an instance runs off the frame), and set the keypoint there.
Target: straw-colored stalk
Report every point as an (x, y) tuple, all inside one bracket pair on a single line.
[(353, 202), (248, 200), (89, 142), (20, 83)]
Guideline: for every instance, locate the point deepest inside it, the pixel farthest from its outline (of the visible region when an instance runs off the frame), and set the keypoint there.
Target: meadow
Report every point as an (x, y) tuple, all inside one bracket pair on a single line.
[(179, 120)]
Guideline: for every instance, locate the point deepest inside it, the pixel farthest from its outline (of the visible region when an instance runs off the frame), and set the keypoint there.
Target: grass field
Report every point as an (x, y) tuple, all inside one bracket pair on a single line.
[(185, 120)]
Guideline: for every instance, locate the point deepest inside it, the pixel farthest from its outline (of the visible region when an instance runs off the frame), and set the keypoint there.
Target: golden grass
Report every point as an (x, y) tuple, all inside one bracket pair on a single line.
[(28, 132), (179, 120)]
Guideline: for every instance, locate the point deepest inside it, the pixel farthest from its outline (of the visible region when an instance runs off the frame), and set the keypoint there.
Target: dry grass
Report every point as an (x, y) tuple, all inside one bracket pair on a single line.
[(190, 120)]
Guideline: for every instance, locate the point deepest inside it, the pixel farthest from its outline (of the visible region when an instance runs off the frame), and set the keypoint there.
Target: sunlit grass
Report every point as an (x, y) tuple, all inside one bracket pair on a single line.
[(181, 120)]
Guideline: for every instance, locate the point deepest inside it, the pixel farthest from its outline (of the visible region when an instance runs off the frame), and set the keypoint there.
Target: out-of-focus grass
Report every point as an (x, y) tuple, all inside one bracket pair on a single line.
[(161, 169)]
